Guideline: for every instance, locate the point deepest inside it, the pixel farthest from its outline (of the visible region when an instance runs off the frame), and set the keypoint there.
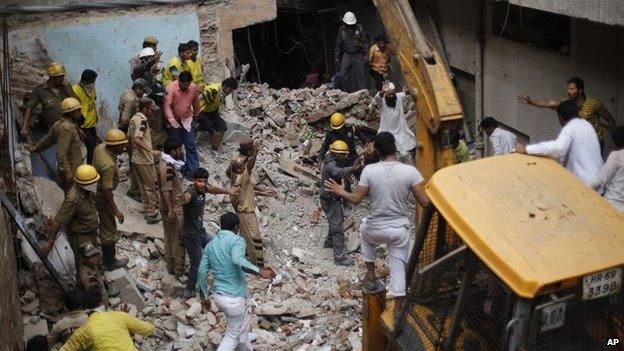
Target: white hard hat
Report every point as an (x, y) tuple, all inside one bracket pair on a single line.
[(349, 18), (391, 86), (147, 52)]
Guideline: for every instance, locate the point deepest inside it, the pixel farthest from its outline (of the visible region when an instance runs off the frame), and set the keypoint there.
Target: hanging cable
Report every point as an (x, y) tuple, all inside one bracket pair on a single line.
[(253, 56), (505, 21)]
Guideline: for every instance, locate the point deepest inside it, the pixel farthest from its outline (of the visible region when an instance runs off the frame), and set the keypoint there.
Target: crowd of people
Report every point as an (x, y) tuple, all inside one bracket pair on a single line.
[(159, 115)]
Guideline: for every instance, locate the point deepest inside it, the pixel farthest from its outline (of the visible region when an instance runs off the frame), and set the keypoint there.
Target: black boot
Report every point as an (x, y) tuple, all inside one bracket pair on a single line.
[(110, 260)]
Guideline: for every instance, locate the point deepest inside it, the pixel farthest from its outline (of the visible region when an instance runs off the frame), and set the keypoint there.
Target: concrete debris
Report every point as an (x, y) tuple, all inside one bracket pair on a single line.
[(314, 305)]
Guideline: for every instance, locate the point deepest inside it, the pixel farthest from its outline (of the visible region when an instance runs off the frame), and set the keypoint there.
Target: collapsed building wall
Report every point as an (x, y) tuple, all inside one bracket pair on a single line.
[(105, 40), (10, 311)]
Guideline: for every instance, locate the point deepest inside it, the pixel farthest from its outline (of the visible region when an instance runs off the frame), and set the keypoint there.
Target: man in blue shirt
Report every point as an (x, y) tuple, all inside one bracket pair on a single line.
[(225, 257), (194, 236)]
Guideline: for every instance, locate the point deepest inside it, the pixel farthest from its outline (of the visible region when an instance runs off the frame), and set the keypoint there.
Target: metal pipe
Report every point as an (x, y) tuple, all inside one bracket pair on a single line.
[(11, 10)]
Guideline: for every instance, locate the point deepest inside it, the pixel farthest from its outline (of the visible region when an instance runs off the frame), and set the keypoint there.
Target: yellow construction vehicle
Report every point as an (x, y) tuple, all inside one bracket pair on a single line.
[(515, 253)]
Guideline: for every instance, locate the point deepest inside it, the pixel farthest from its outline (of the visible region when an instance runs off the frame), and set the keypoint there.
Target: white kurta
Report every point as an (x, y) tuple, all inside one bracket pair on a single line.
[(576, 147), (503, 142), (392, 120)]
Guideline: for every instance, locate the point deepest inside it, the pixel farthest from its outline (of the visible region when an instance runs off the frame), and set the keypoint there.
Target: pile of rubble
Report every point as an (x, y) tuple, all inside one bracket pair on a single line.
[(312, 304)]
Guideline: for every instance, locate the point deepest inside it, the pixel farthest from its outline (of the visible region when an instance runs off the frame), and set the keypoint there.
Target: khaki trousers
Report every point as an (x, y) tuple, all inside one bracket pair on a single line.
[(146, 177), (250, 230), (174, 252), (108, 225), (75, 240)]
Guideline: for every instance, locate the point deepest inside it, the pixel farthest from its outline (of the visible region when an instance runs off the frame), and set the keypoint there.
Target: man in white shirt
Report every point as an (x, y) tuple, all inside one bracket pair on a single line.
[(392, 120), (389, 184), (503, 142), (576, 147), (611, 176)]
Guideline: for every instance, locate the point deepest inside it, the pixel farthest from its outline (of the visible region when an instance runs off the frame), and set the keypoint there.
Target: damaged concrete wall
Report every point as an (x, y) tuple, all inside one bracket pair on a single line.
[(10, 311), (106, 39)]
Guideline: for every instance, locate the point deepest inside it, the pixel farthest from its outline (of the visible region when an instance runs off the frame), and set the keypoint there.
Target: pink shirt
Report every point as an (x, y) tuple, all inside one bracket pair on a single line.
[(181, 105)]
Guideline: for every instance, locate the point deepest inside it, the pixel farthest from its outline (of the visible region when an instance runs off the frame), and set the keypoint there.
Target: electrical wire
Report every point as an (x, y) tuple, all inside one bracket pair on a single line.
[(505, 21), (253, 55)]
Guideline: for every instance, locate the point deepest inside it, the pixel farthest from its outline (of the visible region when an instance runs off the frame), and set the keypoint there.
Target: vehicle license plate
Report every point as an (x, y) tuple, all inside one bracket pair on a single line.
[(600, 284), (553, 316)]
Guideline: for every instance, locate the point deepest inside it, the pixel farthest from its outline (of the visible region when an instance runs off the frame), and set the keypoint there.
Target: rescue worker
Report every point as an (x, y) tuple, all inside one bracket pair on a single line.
[(379, 57), (111, 330), (224, 256), (170, 181), (148, 67), (128, 107), (244, 202), (341, 131), (194, 236), (148, 42), (69, 141), (212, 102), (77, 213), (336, 167), (176, 65), (350, 55), (49, 95), (86, 94), (143, 158), (194, 63), (157, 121), (90, 276), (105, 162)]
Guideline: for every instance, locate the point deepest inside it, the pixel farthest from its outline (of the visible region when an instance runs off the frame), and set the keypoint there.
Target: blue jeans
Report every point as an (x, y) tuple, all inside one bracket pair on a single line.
[(188, 139), (194, 247)]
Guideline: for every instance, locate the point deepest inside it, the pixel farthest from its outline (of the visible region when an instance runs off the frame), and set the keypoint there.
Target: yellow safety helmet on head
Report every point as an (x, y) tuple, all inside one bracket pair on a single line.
[(115, 137), (55, 69), (339, 147), (70, 104), (86, 175), (337, 120)]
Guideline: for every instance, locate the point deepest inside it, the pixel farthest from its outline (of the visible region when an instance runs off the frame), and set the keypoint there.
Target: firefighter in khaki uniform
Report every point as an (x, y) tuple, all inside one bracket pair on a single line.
[(172, 204), (90, 275), (105, 162), (143, 157), (69, 140), (244, 203), (77, 214)]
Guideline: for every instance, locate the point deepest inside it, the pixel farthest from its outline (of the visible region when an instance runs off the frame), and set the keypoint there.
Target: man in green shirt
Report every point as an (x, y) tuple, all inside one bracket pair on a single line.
[(225, 257)]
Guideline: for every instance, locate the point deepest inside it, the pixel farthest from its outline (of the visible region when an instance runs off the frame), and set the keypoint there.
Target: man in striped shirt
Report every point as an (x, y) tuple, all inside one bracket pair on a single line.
[(590, 108)]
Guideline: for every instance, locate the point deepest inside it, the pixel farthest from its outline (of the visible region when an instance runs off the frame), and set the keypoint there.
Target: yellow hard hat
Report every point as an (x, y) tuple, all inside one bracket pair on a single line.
[(115, 137), (55, 69), (337, 120), (339, 147), (86, 175), (70, 104)]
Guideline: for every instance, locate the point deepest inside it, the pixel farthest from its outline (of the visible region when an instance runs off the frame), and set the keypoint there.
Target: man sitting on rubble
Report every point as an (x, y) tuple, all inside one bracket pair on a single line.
[(90, 276), (212, 103), (342, 131), (389, 184), (224, 256), (244, 203), (170, 181), (335, 167), (194, 236), (112, 330), (392, 120), (577, 145)]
